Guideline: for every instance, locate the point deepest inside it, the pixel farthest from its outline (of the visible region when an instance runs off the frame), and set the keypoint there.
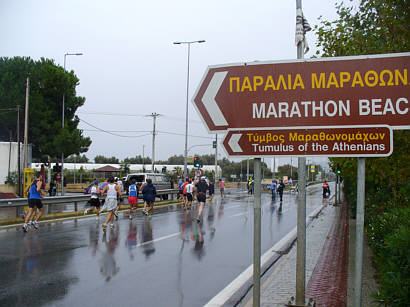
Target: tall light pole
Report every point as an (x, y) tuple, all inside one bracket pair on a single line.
[(62, 125), (186, 109)]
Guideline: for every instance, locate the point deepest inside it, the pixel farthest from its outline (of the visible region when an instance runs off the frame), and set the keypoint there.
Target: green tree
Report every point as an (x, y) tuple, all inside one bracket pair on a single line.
[(76, 159), (48, 82), (138, 160), (102, 159), (378, 26)]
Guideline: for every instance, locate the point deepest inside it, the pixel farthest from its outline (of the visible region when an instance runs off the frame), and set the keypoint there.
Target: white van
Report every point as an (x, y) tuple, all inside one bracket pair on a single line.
[(160, 181)]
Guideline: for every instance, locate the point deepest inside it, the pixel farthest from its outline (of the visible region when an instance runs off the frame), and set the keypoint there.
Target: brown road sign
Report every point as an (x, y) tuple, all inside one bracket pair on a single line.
[(326, 141), (362, 90)]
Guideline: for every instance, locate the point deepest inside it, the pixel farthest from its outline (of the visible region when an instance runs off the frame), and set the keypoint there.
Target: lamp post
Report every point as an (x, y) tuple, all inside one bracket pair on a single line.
[(186, 108), (62, 125)]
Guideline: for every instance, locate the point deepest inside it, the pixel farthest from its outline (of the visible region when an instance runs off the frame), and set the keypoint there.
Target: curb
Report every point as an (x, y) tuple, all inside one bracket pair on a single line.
[(234, 292)]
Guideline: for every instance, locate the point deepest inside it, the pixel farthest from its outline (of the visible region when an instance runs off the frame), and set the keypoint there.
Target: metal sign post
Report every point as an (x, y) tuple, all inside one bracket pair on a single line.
[(257, 233), (301, 217), (301, 234), (361, 178)]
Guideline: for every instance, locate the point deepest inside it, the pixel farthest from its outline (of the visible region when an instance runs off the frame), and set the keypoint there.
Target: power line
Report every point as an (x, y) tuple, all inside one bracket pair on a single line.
[(106, 131), (182, 134), (167, 117)]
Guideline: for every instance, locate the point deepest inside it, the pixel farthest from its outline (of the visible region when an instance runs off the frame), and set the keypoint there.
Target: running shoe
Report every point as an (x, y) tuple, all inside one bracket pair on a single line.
[(85, 211), (130, 217), (116, 215), (111, 226), (35, 224), (30, 223), (198, 220), (104, 227), (25, 226)]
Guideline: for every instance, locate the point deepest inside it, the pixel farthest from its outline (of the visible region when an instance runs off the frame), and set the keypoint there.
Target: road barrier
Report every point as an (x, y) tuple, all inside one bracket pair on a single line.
[(58, 200)]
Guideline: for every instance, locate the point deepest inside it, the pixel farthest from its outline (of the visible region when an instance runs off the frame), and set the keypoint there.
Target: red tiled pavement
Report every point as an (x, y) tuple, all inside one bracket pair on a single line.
[(328, 283)]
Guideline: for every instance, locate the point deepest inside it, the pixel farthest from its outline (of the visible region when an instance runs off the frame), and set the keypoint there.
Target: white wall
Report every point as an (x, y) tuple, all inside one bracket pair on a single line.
[(7, 151)]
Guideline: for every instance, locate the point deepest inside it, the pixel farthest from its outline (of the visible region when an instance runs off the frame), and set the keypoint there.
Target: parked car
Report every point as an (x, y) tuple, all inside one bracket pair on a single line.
[(160, 181)]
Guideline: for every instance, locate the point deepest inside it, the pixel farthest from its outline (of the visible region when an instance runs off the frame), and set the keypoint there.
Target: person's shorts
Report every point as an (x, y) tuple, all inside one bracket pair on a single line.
[(211, 193), (189, 196), (149, 202), (111, 204), (34, 202), (132, 200), (94, 202), (201, 197), (222, 189)]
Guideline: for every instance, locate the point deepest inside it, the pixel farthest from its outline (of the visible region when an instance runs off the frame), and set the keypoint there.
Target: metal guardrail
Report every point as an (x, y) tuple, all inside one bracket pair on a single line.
[(21, 202)]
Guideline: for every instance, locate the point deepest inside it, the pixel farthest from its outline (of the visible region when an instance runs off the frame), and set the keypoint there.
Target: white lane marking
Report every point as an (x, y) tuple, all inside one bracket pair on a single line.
[(225, 294), (159, 239)]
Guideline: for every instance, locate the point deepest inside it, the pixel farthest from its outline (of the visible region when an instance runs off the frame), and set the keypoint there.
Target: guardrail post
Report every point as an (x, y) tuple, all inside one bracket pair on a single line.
[(75, 206)]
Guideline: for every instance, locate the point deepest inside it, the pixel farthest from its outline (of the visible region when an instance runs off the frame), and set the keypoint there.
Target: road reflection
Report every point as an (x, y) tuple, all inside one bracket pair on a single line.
[(147, 237), (108, 265), (131, 241)]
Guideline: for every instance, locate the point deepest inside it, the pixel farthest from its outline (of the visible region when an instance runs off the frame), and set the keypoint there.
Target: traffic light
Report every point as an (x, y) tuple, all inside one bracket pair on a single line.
[(196, 162), (57, 168), (213, 144), (338, 169)]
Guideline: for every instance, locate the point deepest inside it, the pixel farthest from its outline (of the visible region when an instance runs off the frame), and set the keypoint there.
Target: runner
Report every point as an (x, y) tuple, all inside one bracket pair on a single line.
[(34, 199), (273, 186), (184, 192), (148, 194), (211, 190), (201, 187), (180, 190), (222, 187), (189, 188), (132, 196), (112, 191), (281, 187), (118, 182), (94, 200)]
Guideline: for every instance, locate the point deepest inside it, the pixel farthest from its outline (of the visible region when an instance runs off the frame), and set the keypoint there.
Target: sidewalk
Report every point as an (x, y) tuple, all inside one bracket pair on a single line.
[(327, 266)]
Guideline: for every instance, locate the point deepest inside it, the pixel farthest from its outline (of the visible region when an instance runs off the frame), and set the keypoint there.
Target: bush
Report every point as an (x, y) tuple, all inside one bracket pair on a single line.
[(394, 262)]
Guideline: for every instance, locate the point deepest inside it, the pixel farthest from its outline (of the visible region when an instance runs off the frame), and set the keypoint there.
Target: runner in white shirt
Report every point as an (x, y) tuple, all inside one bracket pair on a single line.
[(112, 190)]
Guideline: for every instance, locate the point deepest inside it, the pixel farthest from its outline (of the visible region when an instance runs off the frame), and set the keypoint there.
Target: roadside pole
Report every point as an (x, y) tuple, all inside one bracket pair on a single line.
[(301, 234), (301, 219), (337, 179), (361, 176), (257, 232)]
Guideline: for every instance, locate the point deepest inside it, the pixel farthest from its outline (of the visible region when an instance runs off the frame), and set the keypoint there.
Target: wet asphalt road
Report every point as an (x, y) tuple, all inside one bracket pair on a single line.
[(168, 260)]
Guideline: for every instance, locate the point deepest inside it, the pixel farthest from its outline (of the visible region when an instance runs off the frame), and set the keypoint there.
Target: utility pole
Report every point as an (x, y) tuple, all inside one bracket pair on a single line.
[(247, 170), (18, 151), (216, 157), (25, 164), (143, 161), (154, 117)]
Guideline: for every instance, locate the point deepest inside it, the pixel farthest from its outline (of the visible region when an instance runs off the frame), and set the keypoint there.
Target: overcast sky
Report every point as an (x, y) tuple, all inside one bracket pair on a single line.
[(131, 67)]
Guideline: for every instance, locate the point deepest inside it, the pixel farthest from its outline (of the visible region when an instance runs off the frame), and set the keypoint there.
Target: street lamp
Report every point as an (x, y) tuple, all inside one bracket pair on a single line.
[(186, 109), (62, 124)]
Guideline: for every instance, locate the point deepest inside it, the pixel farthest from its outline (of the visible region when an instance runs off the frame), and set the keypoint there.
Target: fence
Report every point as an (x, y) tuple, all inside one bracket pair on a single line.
[(70, 203)]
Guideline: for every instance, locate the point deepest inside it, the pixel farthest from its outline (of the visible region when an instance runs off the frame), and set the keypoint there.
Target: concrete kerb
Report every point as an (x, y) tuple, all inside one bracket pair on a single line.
[(75, 217), (233, 293)]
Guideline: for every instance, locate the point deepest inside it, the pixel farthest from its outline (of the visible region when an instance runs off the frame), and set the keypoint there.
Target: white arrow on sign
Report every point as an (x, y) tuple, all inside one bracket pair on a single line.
[(233, 142), (209, 99)]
